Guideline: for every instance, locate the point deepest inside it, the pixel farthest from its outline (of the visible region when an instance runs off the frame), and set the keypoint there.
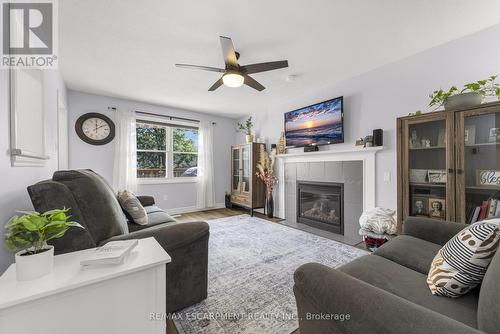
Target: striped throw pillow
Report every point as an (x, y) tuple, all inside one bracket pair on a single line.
[(461, 263)]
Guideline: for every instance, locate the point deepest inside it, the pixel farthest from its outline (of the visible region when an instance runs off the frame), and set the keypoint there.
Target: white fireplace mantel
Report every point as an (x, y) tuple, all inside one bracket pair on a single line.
[(366, 155)]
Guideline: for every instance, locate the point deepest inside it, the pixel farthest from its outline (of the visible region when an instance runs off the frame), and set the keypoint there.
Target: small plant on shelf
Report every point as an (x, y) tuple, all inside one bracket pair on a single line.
[(477, 90), (247, 128)]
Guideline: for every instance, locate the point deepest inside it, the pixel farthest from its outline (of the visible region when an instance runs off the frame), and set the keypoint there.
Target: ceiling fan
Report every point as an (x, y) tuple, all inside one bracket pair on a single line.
[(236, 75)]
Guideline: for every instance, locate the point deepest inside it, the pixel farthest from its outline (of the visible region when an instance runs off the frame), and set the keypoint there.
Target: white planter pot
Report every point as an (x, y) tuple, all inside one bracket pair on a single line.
[(463, 100), (249, 138), (29, 267)]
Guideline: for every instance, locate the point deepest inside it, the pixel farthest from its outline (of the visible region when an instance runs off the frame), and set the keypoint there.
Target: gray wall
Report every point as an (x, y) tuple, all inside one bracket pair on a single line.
[(375, 99), (100, 158), (14, 180)]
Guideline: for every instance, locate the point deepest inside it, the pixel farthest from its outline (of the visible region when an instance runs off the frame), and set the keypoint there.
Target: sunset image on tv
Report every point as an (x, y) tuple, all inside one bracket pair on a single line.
[(317, 124)]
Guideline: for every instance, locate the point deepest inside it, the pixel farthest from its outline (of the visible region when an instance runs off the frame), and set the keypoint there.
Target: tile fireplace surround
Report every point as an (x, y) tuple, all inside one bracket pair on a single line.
[(354, 167)]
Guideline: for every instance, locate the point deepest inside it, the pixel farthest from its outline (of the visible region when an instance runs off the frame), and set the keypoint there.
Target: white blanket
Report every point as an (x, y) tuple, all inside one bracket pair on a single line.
[(378, 222)]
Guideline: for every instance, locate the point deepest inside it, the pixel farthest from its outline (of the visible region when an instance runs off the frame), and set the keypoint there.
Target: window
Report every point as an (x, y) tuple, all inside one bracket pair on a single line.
[(185, 152), (166, 150)]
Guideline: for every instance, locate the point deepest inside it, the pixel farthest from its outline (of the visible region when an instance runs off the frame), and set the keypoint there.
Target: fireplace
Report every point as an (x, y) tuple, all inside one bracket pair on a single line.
[(321, 205)]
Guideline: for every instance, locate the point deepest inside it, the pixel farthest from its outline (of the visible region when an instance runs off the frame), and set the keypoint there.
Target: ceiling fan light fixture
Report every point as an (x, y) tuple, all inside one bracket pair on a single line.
[(233, 79)]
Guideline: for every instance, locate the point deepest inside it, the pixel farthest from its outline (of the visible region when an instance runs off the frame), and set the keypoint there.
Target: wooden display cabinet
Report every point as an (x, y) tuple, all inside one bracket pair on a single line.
[(246, 189), (449, 163)]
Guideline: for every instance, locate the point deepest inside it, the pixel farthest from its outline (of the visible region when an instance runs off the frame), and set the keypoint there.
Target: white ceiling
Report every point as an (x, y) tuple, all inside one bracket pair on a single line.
[(127, 48)]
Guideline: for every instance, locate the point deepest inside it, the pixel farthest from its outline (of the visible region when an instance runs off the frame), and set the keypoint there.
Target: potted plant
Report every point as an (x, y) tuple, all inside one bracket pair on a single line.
[(265, 172), (470, 95), (28, 235), (247, 128)]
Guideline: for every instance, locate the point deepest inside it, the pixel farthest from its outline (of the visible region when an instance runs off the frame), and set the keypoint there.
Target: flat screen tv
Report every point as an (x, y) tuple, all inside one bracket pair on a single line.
[(317, 124)]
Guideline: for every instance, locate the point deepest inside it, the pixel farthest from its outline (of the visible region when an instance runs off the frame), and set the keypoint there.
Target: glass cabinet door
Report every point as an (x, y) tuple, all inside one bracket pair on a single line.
[(478, 165), (428, 158), (245, 165), (235, 169)]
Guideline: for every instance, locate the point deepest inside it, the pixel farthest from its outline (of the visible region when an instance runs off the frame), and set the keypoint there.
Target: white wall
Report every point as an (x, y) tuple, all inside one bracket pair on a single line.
[(100, 158), (375, 99), (14, 180)]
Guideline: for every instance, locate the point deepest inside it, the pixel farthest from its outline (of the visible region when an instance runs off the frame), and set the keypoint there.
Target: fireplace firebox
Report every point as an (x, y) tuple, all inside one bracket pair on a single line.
[(321, 205)]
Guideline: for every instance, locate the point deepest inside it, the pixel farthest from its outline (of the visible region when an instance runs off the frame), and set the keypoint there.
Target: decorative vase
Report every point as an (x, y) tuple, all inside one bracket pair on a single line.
[(29, 267), (281, 143), (249, 138), (270, 204), (463, 100)]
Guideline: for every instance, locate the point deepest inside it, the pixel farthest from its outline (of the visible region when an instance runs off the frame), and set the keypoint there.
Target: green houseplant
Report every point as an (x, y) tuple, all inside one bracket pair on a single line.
[(27, 235), (471, 94), (247, 128)]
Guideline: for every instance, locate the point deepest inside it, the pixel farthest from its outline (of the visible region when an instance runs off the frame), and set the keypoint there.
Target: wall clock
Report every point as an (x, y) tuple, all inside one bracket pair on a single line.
[(95, 129)]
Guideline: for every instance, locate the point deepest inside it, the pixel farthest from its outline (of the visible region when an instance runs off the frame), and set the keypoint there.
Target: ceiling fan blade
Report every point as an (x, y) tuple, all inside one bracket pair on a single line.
[(205, 68), (216, 85), (249, 81), (228, 52), (263, 67)]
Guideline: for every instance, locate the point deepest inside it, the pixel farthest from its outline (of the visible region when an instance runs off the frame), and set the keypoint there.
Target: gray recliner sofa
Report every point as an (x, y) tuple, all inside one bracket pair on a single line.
[(386, 292), (94, 205)]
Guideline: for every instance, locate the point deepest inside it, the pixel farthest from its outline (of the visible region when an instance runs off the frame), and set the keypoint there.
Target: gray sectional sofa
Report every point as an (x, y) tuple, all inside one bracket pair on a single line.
[(386, 292), (93, 204)]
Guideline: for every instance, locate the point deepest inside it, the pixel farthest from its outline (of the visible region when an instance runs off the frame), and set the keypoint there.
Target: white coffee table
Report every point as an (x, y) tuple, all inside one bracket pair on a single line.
[(112, 299)]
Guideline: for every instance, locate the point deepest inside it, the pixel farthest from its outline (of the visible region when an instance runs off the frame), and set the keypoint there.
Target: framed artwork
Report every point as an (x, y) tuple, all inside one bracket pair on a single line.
[(420, 206), (437, 208), (436, 175), (470, 135), (494, 135)]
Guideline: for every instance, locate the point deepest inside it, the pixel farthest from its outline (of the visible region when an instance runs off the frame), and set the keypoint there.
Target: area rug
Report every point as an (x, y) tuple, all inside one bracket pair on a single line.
[(251, 263)]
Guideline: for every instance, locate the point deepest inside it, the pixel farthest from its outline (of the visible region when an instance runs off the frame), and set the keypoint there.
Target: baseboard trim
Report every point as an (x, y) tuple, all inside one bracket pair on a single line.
[(187, 209)]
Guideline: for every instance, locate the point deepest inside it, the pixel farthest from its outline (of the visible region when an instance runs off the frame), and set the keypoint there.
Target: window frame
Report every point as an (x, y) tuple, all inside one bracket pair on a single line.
[(170, 125)]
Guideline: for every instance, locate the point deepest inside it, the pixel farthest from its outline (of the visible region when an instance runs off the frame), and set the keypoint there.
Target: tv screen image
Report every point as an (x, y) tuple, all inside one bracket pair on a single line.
[(318, 124)]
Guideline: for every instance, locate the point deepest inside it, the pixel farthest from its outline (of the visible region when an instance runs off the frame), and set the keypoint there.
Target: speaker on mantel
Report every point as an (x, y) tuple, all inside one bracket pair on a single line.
[(378, 137)]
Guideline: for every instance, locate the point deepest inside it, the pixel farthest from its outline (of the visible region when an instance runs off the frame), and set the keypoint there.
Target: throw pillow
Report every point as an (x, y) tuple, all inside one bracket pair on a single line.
[(461, 263), (133, 207)]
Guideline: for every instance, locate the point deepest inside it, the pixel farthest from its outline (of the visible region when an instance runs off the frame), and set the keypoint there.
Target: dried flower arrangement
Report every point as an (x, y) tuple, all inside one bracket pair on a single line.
[(265, 168)]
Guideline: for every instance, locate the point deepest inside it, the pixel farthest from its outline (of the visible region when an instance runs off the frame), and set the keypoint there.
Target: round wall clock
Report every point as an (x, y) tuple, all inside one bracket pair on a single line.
[(95, 129)]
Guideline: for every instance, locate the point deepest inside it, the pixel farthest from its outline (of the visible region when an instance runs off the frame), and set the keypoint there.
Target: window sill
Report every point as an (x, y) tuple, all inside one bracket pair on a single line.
[(165, 180)]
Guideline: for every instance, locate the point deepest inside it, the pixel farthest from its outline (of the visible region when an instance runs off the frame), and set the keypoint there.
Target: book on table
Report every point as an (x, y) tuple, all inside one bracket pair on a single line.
[(114, 252)]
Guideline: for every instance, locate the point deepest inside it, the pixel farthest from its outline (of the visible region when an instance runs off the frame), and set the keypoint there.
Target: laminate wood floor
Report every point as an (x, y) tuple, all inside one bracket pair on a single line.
[(219, 213)]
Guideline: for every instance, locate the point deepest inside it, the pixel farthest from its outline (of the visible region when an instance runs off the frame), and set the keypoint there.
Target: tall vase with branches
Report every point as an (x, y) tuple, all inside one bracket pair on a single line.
[(265, 172)]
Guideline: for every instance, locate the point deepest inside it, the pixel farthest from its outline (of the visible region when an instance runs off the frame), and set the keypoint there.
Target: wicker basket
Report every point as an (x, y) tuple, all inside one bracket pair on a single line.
[(373, 243)]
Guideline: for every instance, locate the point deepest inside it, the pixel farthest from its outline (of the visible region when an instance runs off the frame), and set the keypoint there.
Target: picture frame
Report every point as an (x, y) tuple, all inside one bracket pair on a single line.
[(436, 176), (494, 135), (420, 206), (418, 175), (488, 178), (437, 208), (470, 135)]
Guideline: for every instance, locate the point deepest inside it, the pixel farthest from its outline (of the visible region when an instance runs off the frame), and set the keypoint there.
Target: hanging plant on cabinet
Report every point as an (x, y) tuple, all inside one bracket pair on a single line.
[(470, 95)]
